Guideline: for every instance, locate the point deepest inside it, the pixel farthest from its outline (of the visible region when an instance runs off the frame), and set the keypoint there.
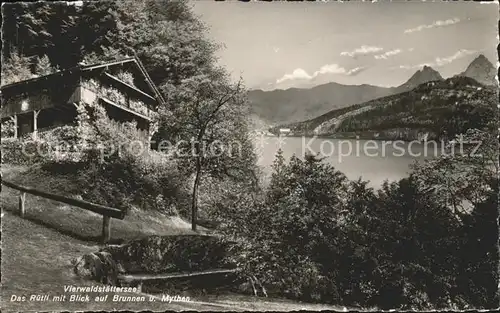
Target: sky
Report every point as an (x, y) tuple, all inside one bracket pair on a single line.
[(302, 44)]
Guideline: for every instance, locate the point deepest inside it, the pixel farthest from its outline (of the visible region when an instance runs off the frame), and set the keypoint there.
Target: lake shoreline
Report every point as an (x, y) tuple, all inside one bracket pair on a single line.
[(374, 162)]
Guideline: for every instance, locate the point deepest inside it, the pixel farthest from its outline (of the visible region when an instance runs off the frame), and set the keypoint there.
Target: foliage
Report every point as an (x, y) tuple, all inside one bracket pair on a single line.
[(15, 68), (120, 170), (7, 128), (106, 54), (290, 230), (204, 107), (18, 152), (466, 182), (463, 175), (168, 38), (126, 77), (50, 145), (61, 31), (170, 41), (43, 66), (318, 237), (478, 266), (426, 242), (210, 114)]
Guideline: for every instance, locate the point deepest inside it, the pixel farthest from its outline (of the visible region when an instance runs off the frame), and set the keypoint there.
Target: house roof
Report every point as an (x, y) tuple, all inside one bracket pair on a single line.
[(81, 68)]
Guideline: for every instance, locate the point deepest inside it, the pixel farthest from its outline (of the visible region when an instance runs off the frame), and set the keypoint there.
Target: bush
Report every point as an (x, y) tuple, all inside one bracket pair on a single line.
[(18, 152), (58, 144), (7, 129), (98, 153), (290, 234), (148, 182), (318, 237), (116, 174)]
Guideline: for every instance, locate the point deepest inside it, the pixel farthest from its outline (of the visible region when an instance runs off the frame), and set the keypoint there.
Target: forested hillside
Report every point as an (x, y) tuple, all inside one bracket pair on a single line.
[(441, 109), (295, 104)]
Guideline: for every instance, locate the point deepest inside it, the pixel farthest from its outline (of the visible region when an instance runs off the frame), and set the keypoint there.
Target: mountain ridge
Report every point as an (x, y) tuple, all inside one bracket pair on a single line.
[(298, 104), (435, 109), (284, 106)]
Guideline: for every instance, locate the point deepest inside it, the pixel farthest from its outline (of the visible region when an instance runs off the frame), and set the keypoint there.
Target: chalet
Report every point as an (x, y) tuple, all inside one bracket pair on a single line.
[(123, 87)]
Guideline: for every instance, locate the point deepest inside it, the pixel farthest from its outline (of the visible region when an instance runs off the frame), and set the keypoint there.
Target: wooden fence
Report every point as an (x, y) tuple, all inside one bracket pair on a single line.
[(106, 212)]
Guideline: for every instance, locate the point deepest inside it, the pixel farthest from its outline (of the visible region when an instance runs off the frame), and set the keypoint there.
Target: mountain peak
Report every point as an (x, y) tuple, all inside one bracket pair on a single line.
[(428, 69), (482, 70), (421, 76), (481, 58)]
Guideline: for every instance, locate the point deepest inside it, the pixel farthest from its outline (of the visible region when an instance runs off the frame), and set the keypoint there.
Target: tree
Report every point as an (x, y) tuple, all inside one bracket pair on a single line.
[(465, 182), (204, 107), (43, 66), (63, 32), (463, 175), (208, 110), (16, 68), (478, 267), (292, 235)]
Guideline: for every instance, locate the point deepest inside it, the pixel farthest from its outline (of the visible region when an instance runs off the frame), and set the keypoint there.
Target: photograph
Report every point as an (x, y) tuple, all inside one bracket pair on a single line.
[(202, 155)]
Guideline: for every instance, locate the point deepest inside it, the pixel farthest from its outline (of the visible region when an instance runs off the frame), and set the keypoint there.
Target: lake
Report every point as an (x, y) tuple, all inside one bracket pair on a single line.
[(372, 160)]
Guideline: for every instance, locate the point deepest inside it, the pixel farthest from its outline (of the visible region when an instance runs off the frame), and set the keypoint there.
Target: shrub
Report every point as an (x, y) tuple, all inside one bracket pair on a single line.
[(19, 152), (318, 237), (7, 129), (290, 234), (117, 175)]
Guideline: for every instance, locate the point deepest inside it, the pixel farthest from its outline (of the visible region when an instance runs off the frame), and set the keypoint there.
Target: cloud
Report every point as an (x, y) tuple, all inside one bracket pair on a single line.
[(296, 74), (440, 61), (387, 54), (330, 69), (438, 23), (363, 50), (457, 55), (355, 71), (300, 74)]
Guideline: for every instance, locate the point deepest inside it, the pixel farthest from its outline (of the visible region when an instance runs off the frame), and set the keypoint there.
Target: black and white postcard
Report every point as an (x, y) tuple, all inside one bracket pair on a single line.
[(249, 156)]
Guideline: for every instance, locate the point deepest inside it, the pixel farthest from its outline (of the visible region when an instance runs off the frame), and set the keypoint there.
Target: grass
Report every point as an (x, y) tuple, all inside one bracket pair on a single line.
[(39, 261), (79, 223), (39, 252)]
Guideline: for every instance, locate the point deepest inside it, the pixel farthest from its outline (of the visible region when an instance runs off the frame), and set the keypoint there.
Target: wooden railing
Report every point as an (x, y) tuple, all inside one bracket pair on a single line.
[(106, 212), (129, 278)]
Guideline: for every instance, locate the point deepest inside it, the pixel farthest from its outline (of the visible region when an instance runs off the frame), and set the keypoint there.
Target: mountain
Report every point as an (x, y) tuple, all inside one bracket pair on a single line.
[(294, 104), (284, 107), (426, 74), (436, 109), (297, 104), (482, 70)]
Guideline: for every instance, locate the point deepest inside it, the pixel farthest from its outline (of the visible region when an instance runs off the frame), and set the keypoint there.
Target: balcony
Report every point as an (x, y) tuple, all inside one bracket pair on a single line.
[(92, 90)]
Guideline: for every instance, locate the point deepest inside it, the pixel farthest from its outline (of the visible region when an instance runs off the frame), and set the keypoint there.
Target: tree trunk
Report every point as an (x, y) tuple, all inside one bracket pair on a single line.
[(194, 200)]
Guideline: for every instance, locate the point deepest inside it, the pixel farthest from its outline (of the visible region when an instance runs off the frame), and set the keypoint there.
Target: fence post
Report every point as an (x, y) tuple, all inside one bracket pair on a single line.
[(22, 207), (105, 228)]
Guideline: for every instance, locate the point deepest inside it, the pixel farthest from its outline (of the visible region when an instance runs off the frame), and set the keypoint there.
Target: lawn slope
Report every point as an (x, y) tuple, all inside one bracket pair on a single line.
[(39, 252)]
